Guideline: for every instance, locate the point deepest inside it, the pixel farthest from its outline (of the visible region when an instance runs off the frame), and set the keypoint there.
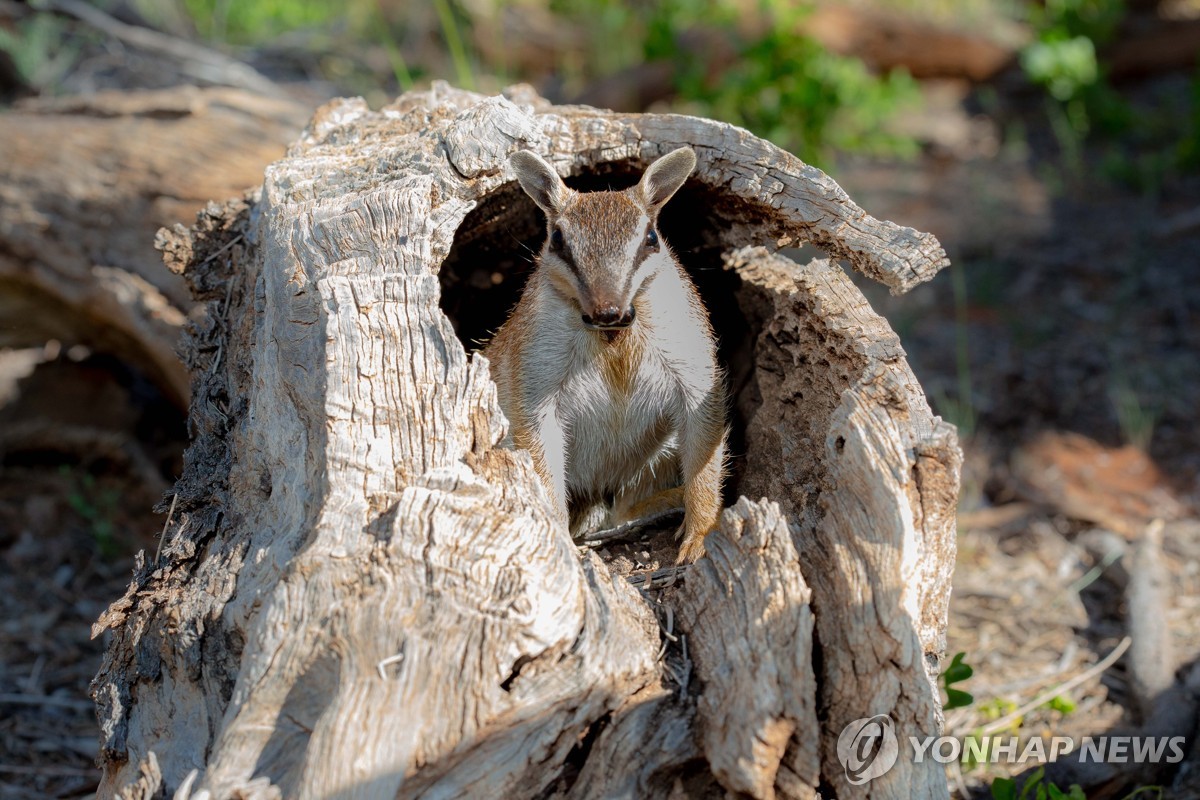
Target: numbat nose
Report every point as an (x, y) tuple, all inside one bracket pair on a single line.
[(609, 317)]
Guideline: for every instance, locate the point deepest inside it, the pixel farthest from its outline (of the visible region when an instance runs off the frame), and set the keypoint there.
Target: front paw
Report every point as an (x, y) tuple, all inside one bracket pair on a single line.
[(692, 547)]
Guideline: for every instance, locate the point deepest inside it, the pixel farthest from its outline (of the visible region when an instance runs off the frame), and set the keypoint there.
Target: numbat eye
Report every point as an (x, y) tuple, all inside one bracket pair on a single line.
[(652, 238), (556, 239)]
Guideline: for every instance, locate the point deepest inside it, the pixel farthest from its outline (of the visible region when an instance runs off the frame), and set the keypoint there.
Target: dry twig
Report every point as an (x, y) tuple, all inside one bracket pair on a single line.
[(659, 579), (633, 529), (1083, 677)]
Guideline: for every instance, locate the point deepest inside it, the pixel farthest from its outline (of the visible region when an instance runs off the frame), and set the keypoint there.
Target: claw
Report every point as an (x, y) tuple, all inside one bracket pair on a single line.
[(691, 549)]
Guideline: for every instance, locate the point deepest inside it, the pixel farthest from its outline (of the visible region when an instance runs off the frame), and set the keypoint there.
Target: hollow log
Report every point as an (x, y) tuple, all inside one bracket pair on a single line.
[(363, 591)]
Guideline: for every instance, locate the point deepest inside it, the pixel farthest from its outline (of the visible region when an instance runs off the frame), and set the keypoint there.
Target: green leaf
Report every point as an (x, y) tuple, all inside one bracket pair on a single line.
[(956, 672), (956, 698), (1060, 703), (1034, 784), (1004, 789), (1074, 793)]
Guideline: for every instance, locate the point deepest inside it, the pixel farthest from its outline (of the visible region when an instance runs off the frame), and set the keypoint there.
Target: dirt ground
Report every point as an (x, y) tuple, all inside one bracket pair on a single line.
[(1074, 325), (1071, 317)]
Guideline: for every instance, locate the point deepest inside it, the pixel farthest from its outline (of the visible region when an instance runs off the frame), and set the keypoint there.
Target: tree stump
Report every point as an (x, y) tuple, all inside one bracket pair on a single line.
[(362, 591)]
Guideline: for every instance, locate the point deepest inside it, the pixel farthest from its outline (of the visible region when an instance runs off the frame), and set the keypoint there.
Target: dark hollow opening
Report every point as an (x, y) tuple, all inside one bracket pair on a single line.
[(495, 247)]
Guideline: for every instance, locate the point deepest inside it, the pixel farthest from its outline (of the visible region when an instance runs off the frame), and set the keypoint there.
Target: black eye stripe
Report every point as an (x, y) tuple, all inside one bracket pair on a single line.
[(570, 262), (558, 246)]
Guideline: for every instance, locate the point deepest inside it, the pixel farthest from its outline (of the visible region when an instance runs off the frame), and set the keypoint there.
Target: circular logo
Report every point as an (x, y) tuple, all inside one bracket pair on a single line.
[(867, 748)]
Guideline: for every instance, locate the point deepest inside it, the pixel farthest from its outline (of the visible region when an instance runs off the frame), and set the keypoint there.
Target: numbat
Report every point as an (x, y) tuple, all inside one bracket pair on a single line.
[(607, 367)]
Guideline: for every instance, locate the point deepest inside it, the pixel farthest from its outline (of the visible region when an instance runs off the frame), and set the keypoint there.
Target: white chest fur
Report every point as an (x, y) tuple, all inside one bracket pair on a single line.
[(621, 404)]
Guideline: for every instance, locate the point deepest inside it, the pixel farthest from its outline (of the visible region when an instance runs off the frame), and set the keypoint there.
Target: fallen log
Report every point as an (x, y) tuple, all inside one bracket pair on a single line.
[(84, 184), (363, 592)]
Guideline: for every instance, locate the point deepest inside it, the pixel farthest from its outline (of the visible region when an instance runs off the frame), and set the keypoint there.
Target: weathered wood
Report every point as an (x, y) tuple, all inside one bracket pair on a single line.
[(363, 592), (843, 438), (84, 184), (757, 712)]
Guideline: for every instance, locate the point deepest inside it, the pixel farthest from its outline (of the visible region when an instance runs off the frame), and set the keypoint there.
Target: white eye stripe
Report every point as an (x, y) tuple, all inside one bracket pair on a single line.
[(634, 245), (651, 263)]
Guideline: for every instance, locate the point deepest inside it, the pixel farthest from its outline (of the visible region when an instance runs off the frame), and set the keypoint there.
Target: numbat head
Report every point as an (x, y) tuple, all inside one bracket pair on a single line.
[(602, 246), (607, 368)]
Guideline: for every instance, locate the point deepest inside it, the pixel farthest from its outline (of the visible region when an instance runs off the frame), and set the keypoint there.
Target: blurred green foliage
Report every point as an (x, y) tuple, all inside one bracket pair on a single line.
[(1062, 56), (1035, 787), (1063, 59), (808, 100), (39, 50), (779, 83), (1063, 66), (454, 43), (1137, 412), (1061, 703), (1082, 105), (1189, 146), (248, 23), (96, 506), (748, 62)]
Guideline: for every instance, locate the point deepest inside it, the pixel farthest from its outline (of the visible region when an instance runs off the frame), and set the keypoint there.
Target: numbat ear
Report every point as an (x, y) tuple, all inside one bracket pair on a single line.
[(664, 177), (540, 181)]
